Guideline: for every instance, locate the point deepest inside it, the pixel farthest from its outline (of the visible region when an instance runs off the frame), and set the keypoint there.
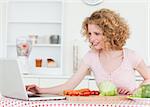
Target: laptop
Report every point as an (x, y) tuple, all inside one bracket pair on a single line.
[(12, 83)]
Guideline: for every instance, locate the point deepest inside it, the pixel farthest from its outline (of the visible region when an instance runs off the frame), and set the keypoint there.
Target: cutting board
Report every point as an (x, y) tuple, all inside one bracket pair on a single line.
[(96, 98)]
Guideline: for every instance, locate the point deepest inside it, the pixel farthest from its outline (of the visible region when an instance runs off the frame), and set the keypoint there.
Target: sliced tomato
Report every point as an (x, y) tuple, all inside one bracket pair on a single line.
[(96, 92), (92, 92), (86, 93)]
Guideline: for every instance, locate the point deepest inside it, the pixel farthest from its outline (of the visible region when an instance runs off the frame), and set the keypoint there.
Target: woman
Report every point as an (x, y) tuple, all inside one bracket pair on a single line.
[(107, 33)]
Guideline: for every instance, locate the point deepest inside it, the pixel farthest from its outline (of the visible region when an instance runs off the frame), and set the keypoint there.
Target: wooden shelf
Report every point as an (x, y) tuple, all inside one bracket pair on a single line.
[(36, 75), (47, 45), (37, 45), (35, 0), (47, 70), (34, 22)]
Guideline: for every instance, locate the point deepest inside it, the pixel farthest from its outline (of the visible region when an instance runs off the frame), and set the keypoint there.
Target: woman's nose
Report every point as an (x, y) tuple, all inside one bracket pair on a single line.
[(91, 39)]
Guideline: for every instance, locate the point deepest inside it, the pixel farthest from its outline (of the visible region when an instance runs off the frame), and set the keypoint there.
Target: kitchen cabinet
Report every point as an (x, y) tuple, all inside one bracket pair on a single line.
[(93, 86), (49, 81), (31, 80), (39, 19)]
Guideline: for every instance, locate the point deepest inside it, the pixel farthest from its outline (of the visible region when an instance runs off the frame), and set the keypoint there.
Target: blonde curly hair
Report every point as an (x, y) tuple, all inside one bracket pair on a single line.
[(115, 29)]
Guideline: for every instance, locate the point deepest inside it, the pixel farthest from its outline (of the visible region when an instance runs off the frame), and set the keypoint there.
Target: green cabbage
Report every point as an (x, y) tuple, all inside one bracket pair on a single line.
[(146, 91), (138, 93), (143, 91), (107, 88)]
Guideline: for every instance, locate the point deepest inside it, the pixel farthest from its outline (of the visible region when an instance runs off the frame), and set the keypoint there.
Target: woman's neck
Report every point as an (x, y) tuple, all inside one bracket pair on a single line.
[(111, 53)]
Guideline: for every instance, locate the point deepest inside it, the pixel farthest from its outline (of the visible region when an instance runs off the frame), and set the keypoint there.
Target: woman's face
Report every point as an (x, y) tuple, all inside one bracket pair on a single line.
[(95, 36)]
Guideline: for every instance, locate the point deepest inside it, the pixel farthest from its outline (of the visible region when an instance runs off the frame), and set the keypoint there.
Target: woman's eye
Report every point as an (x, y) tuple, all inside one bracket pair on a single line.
[(97, 34), (89, 33)]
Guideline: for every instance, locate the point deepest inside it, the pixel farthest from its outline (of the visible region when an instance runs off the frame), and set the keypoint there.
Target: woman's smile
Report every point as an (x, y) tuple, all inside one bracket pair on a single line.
[(95, 43), (95, 36)]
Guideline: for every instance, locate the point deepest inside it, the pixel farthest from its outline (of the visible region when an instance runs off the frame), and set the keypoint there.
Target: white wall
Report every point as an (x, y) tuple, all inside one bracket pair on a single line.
[(135, 12), (2, 27), (0, 30)]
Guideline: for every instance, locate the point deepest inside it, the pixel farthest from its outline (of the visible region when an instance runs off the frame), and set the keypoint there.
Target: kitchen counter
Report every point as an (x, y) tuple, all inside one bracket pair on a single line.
[(89, 77), (119, 102), (54, 76)]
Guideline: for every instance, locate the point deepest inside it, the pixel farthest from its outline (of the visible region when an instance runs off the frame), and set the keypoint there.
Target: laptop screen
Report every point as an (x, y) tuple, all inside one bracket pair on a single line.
[(12, 82)]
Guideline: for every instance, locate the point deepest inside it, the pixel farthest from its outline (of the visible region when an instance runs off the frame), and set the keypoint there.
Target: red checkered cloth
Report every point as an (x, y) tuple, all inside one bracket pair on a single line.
[(9, 102)]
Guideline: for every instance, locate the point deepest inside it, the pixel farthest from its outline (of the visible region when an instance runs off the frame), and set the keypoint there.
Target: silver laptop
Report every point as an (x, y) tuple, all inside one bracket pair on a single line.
[(12, 84)]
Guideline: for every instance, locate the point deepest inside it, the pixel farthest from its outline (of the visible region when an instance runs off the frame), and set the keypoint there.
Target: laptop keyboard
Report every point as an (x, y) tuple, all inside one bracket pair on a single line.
[(33, 95)]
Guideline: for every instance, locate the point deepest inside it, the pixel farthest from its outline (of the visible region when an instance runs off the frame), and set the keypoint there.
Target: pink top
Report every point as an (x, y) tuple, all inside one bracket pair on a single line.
[(123, 76)]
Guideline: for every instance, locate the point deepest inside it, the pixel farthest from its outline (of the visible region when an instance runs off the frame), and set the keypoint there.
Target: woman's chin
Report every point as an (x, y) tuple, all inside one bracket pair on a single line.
[(97, 48)]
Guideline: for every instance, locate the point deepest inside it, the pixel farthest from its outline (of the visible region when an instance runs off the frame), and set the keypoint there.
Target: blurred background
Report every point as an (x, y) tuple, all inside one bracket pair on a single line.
[(54, 29)]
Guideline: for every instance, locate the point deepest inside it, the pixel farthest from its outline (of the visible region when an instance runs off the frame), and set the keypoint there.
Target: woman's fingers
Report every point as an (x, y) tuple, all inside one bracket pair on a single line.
[(30, 87), (119, 90), (123, 91), (128, 93), (33, 88)]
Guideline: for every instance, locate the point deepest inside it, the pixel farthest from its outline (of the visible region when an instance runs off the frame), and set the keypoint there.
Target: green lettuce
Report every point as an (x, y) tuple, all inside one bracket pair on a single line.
[(146, 91), (142, 92), (107, 88), (138, 93)]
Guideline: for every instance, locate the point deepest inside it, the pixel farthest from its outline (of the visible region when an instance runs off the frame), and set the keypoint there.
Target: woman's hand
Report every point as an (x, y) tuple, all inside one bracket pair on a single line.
[(33, 88), (123, 91)]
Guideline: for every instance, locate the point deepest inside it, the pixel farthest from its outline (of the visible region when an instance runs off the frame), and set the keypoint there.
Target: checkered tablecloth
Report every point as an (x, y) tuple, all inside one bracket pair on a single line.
[(8, 102)]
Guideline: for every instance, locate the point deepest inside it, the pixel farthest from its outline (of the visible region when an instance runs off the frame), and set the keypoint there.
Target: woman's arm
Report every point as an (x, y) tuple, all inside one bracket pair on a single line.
[(70, 84), (144, 70)]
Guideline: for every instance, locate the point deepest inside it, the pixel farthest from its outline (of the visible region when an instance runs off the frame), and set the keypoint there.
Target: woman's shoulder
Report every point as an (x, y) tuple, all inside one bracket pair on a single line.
[(130, 52), (133, 56)]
